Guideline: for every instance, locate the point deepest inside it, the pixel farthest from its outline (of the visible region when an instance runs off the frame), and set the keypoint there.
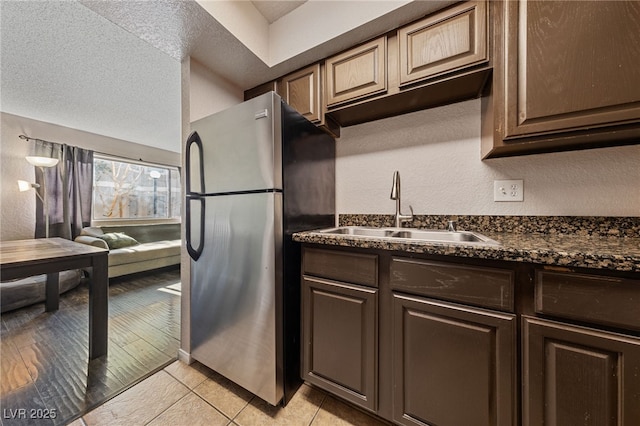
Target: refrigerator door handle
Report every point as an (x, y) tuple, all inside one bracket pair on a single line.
[(194, 139), (195, 252)]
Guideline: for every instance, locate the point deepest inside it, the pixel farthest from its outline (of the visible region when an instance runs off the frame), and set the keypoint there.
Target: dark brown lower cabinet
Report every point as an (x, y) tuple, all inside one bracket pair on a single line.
[(339, 339), (452, 365), (579, 376), (420, 340)]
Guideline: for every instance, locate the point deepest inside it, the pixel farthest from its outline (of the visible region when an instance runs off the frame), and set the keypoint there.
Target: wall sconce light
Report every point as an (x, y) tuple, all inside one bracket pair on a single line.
[(23, 185)]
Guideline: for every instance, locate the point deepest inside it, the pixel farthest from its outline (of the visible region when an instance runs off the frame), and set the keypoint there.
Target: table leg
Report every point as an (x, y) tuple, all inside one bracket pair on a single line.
[(52, 292), (98, 307)]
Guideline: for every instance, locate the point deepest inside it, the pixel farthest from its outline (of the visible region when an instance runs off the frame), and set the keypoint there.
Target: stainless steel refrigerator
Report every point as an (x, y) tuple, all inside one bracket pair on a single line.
[(255, 174)]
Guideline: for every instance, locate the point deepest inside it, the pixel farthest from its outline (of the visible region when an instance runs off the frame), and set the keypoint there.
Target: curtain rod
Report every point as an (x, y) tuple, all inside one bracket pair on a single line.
[(29, 138)]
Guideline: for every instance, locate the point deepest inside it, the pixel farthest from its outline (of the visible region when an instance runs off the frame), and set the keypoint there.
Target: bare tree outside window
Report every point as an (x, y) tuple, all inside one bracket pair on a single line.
[(128, 190)]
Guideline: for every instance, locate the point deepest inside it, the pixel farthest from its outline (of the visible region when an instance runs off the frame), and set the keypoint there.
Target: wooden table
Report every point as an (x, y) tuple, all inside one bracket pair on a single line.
[(25, 258)]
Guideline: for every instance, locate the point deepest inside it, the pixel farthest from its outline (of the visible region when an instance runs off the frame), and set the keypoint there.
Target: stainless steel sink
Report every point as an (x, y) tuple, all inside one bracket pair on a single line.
[(428, 235), (356, 230), (458, 236)]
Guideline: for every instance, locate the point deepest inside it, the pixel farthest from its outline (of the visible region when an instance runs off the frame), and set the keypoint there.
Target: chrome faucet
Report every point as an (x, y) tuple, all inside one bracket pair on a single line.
[(395, 195)]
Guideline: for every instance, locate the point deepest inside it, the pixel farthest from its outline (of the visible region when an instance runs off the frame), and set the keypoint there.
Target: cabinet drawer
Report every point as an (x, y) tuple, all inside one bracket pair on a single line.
[(357, 73), (447, 41), (342, 266), (487, 287), (591, 298)]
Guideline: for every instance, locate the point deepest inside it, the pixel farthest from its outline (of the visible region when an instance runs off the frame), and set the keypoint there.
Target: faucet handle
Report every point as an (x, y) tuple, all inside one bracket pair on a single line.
[(453, 226), (405, 218)]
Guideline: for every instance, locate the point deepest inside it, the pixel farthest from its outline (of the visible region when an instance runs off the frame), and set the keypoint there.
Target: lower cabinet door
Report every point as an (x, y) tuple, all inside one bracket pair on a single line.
[(579, 376), (339, 338), (452, 365)]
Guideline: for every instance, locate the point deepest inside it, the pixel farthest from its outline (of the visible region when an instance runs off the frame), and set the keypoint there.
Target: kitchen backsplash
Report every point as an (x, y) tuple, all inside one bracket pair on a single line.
[(574, 225)]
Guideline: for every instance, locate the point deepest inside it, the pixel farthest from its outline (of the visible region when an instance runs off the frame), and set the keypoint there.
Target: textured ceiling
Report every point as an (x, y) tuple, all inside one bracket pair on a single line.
[(112, 67), (62, 63)]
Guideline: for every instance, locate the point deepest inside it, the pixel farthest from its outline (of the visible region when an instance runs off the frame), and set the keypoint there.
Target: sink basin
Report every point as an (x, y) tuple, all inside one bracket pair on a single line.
[(364, 232), (461, 236), (428, 235)]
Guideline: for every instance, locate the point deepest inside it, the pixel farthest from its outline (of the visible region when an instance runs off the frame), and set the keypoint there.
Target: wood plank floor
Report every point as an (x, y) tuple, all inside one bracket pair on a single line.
[(44, 355)]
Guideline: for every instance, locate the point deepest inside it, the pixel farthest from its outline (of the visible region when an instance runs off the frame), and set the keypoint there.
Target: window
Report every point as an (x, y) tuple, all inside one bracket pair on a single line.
[(134, 190)]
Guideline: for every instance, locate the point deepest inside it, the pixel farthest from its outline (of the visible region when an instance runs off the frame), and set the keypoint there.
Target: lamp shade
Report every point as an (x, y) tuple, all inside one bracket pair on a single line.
[(42, 161)]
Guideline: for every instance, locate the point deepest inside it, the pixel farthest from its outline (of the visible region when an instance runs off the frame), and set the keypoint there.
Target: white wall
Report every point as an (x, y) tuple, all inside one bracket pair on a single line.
[(17, 209), (304, 28), (316, 22), (437, 152), (244, 21), (210, 93)]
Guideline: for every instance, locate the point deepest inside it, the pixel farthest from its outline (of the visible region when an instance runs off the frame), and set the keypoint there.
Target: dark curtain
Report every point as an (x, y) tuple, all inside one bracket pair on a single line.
[(69, 190)]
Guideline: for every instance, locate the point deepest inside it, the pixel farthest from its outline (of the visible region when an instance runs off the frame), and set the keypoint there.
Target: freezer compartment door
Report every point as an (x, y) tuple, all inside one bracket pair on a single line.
[(236, 286), (194, 176), (240, 149)]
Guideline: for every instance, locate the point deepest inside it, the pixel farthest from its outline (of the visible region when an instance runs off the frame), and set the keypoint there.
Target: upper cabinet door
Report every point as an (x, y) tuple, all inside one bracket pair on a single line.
[(447, 41), (301, 90), (357, 73), (571, 65)]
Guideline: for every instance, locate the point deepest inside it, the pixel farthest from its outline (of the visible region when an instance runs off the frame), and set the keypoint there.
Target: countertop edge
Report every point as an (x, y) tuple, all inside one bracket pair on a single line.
[(525, 250)]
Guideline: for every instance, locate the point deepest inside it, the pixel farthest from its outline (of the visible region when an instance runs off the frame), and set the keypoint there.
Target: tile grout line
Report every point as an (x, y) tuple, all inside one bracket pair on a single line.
[(324, 398), (191, 390), (213, 406), (168, 408), (242, 409)]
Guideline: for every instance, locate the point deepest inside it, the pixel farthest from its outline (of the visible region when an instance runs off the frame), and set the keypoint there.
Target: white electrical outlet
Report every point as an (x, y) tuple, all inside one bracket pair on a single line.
[(508, 190)]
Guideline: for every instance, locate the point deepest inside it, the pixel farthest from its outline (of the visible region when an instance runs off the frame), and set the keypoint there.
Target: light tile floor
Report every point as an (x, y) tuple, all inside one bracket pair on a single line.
[(193, 395)]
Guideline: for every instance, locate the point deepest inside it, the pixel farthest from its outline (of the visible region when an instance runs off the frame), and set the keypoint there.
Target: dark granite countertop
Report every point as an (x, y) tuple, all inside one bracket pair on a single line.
[(560, 249)]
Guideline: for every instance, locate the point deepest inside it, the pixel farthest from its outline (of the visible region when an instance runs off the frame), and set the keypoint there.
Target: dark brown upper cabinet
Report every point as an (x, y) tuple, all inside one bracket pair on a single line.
[(444, 42), (566, 76), (357, 73), (437, 60), (302, 90), (440, 59)]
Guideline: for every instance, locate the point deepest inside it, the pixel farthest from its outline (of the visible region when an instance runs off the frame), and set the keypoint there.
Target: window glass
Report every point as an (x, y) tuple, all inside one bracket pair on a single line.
[(134, 190)]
